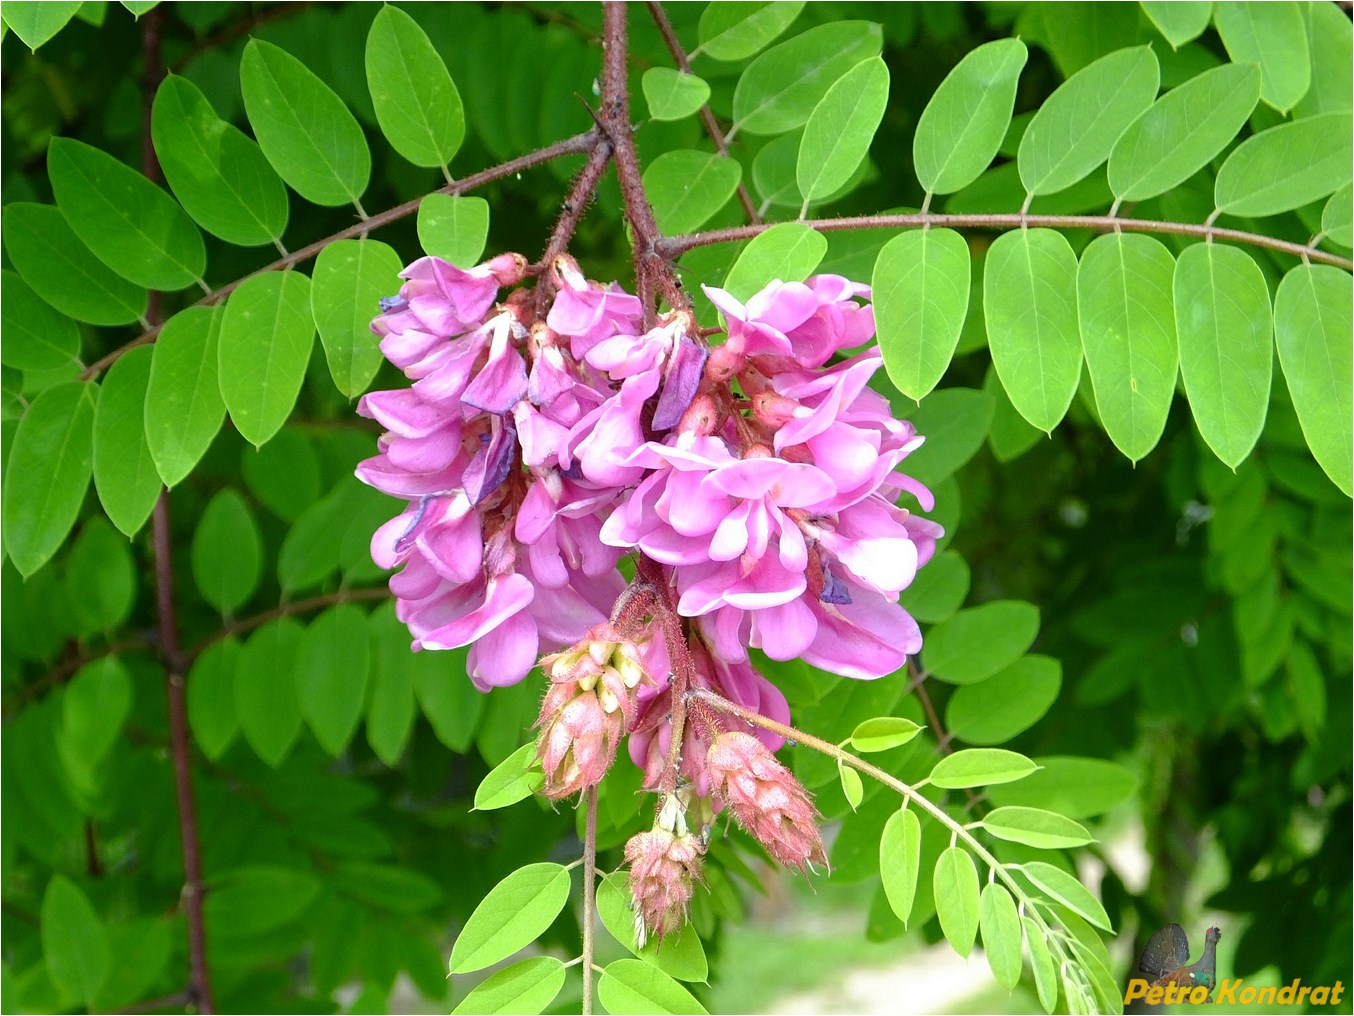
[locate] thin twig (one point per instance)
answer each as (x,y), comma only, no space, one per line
(589,893)
(909,794)
(581,194)
(63,672)
(675,246)
(286,610)
(569,146)
(175,1001)
(944,738)
(199,989)
(707,116)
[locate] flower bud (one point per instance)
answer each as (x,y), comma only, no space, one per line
(665,864)
(766,799)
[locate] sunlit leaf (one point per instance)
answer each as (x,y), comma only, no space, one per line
(416,102)
(512,916)
(1287,166)
(1000,924)
(788,251)
(635,988)
(900,860)
(920,292)
(1035,827)
(737,30)
(350,278)
(184,409)
(1064,888)
(673,95)
(980,767)
(1273,36)
(956,895)
(1180,21)
(687,187)
(840,129)
(978,642)
(528,986)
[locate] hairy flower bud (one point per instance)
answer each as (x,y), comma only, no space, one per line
(589,706)
(766,799)
(665,864)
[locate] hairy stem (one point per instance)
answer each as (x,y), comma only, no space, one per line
(199,983)
(707,116)
(589,893)
(581,193)
(675,246)
(653,270)
(569,146)
(287,610)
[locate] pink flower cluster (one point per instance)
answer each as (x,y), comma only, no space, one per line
(758,479)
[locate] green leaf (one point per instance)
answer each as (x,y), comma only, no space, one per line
(350,278)
(37,337)
(956,894)
(130,224)
(304,129)
(678,955)
(852,787)
(227,552)
(673,95)
(1000,924)
(264,346)
(1307,687)
(62,271)
(124,471)
(390,708)
(1273,36)
(882,733)
(1058,885)
(1180,21)
(416,102)
(1029,301)
(311,550)
(139,7)
(453,228)
(980,767)
(962,125)
(1075,787)
(788,251)
(1182,131)
(1041,961)
(184,409)
(388,887)
(218,173)
(101,578)
(331,675)
(36,21)
(778,90)
(632,987)
(687,187)
(840,129)
(47,473)
(938,590)
(1224,325)
(1312,327)
(1075,129)
(94,707)
(1006,704)
(736,30)
(284,474)
(74,941)
(1035,827)
(514,779)
(1337,218)
(1127,324)
(514,914)
(979,642)
(528,986)
(921,293)
(1330,43)
(954,422)
(900,861)
(1287,166)
(266,699)
(253,900)
(211,697)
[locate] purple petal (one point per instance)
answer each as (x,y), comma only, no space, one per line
(684,370)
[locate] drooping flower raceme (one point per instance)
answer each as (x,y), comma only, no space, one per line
(759,478)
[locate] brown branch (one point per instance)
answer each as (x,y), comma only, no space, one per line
(175,1001)
(569,146)
(943,737)
(653,270)
(286,610)
(581,194)
(64,671)
(199,990)
(675,246)
(707,116)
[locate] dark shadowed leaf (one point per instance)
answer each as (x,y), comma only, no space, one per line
(978,642)
(227,552)
(211,697)
(1075,787)
(1006,704)
(74,941)
(266,699)
(37,337)
(332,666)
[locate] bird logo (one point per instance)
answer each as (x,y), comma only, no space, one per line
(1166,959)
